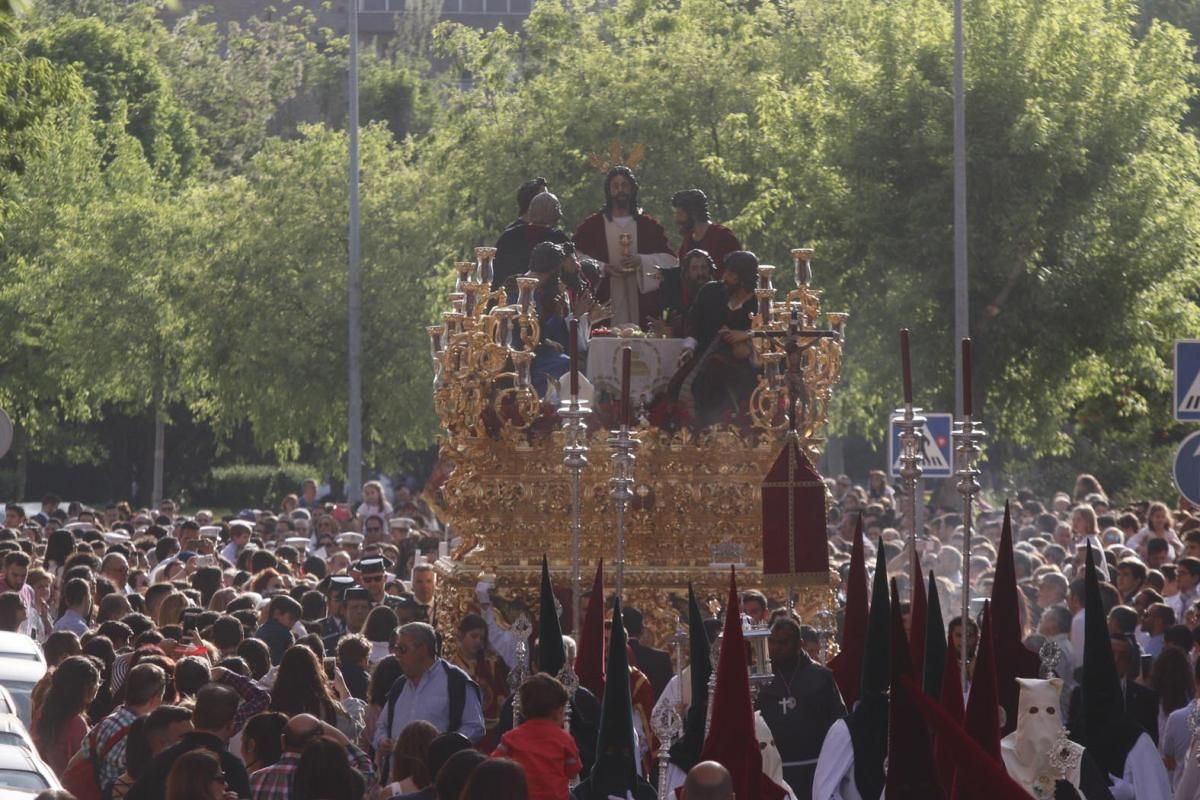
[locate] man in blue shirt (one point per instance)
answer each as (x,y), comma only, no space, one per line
(276,632)
(430,689)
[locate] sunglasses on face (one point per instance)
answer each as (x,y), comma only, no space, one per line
(372,578)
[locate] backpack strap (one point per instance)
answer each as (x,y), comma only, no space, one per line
(457,681)
(393,696)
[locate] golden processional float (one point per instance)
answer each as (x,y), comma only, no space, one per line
(659,502)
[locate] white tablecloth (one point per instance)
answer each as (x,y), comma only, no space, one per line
(653,363)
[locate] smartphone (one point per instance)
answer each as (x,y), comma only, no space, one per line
(206,561)
(330,668)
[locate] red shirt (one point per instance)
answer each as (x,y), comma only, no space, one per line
(548,754)
(58,753)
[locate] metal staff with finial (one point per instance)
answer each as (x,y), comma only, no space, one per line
(968,444)
(624,446)
(912,434)
(574,413)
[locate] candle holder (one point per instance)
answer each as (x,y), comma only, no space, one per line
(764,304)
(765,271)
(527,318)
(624,447)
(802,265)
(968,444)
(520,670)
(464,270)
(436,332)
(911,423)
(484,259)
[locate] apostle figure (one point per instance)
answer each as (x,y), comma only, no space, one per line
(698,229)
(550,358)
(719,336)
(514,245)
(799,705)
(1038,755)
(631,245)
(679,291)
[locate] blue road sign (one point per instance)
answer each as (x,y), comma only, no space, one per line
(938,449)
(1187,381)
(1187,468)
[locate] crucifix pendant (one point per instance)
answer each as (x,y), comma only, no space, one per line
(786,704)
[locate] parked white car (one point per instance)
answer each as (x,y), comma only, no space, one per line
(23,774)
(22,665)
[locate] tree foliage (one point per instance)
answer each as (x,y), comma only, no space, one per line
(205,268)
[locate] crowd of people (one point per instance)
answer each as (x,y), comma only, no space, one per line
(292,653)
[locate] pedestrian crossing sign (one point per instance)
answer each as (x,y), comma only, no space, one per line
(938,450)
(1187,381)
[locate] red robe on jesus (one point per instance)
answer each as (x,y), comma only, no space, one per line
(591,239)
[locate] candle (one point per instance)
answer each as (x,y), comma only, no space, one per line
(906,366)
(626,361)
(966,377)
(573,349)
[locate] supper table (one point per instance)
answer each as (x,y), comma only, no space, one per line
(652,364)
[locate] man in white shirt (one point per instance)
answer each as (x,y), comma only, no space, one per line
(1187,576)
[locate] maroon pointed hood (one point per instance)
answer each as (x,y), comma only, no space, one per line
(982,720)
(1013,659)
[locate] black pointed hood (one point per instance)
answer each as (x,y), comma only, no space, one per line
(868,722)
(685,753)
(935,642)
(552,655)
(1107,733)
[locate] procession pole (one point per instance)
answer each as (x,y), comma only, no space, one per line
(912,435)
(575,447)
(968,441)
(623,445)
(354,278)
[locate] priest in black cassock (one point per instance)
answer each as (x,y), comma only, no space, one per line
(799,705)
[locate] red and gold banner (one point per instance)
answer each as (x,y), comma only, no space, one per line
(794,545)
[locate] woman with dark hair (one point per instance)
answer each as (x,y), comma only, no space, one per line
(101,649)
(197,775)
(59,730)
(1171,677)
(262,740)
(301,687)
(454,774)
(1085,485)
(496,779)
(324,773)
(410,759)
(384,675)
(381,624)
(59,547)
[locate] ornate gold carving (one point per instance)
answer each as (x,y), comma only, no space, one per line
(695,492)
